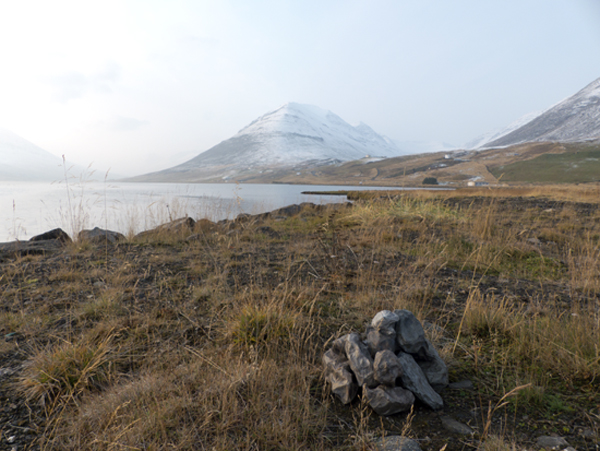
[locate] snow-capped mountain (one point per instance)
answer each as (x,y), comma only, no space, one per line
(23,160)
(290,135)
(493,135)
(576,118)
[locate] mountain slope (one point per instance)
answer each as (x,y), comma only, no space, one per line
(483,140)
(23,160)
(293,134)
(575,119)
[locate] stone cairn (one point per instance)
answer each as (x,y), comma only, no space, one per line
(393,366)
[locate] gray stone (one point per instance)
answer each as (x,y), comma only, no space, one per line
(388,400)
(19,248)
(339,344)
(410,335)
(415,380)
(54,234)
(360,360)
(387,368)
(177,227)
(337,373)
(100,236)
(396,443)
(456,427)
(549,442)
(381,334)
(434,367)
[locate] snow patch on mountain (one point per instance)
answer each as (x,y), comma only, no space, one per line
(574,119)
(481,141)
(296,132)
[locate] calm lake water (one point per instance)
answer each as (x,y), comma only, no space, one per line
(30,208)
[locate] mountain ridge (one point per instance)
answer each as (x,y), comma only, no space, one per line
(293,134)
(574,119)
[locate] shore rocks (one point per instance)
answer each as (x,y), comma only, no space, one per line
(393,367)
(177,227)
(100,236)
(54,234)
(48,242)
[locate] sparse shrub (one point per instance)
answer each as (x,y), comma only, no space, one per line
(258,324)
(68,369)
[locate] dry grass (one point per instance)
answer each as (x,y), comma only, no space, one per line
(211,339)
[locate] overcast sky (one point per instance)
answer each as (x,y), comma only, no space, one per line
(141,85)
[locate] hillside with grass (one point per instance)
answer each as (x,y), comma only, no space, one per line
(211,337)
(578,164)
(546,162)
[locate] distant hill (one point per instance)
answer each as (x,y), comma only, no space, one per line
(293,135)
(21,160)
(575,119)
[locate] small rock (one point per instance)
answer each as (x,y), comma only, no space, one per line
(54,234)
(387,368)
(434,367)
(461,385)
(410,335)
(337,373)
(415,380)
(360,360)
(551,443)
(178,226)
(381,334)
(100,236)
(456,427)
(396,443)
(388,400)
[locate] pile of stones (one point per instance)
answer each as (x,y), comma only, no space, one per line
(394,365)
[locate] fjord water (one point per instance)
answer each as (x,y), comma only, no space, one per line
(30,208)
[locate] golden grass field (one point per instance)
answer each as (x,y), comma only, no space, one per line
(211,339)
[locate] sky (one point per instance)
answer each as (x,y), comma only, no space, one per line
(142,85)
